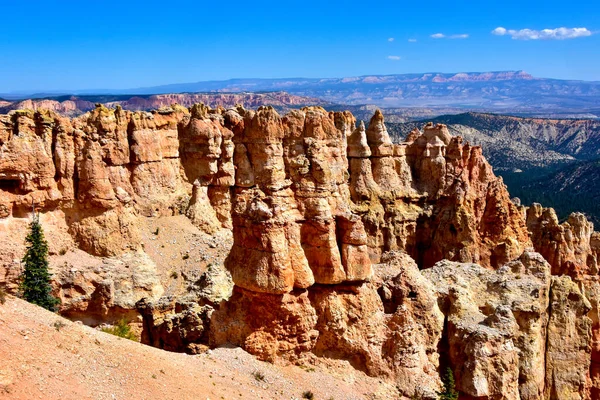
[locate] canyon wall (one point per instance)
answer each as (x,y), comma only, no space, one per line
(402,259)
(433,196)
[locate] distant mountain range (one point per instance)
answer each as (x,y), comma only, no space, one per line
(76,105)
(513,92)
(538,158)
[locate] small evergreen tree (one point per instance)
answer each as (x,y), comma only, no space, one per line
(449,392)
(35,279)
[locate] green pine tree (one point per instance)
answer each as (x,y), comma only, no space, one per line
(449,392)
(35,279)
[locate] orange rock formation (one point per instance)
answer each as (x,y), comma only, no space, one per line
(331,225)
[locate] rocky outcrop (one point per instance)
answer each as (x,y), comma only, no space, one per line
(515,333)
(293,227)
(570,247)
(311,178)
(568,342)
(436,198)
(331,224)
(387,327)
(103,171)
(182,323)
(496,322)
(306,235)
(98,292)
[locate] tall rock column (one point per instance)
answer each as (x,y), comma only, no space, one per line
(292,226)
(568,342)
(205,148)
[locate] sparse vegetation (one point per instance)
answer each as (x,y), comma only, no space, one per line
(58,325)
(174,274)
(259,376)
(308,395)
(121,329)
(35,279)
(449,392)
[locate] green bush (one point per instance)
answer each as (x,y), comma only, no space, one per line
(121,329)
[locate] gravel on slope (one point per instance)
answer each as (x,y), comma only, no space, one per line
(44,356)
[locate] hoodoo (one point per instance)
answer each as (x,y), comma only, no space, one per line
(402,258)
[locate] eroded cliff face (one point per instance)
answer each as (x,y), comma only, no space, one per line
(572,248)
(435,197)
(312,177)
(400,258)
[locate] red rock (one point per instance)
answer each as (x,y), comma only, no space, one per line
(315,204)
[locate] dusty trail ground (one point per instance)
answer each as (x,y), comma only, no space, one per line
(44,356)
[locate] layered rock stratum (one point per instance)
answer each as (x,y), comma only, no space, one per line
(306,237)
(499,91)
(77,105)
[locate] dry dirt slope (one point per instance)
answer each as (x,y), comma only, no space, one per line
(43,356)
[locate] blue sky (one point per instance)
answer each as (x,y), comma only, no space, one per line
(54,45)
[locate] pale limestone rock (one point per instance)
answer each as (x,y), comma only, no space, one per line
(357,142)
(378,136)
(200,211)
(313,202)
(96,291)
(568,342)
(496,325)
(566,246)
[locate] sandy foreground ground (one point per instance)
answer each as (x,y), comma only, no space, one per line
(44,356)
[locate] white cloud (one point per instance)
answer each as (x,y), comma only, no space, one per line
(456,36)
(412,40)
(394,58)
(544,34)
(390,39)
(500,31)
